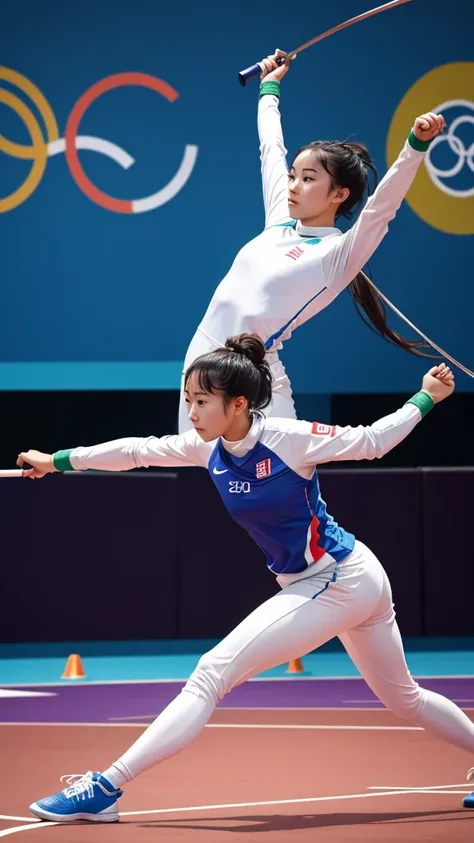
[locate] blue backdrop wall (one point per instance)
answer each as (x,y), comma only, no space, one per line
(97,293)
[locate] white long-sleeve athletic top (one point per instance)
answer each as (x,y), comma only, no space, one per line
(268,480)
(290,271)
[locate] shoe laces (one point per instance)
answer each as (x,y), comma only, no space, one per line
(79,783)
(470,775)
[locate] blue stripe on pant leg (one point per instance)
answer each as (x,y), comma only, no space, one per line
(333,579)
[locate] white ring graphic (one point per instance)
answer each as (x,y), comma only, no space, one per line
(111,150)
(173,187)
(120,156)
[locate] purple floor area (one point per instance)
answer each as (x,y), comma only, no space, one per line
(104,703)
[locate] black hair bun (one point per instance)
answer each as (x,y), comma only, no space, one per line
(249,345)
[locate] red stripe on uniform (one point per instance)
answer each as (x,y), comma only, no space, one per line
(316,551)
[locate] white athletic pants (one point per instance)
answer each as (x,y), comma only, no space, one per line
(353,601)
(282,405)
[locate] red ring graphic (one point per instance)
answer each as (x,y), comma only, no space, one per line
(117,80)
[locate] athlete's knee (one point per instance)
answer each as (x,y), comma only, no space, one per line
(208,679)
(405,701)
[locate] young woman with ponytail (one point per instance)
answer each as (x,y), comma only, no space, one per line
(301,261)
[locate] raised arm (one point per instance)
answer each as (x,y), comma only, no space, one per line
(346,255)
(319,444)
(122,455)
(272,147)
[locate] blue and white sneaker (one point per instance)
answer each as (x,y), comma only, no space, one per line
(468,801)
(89,797)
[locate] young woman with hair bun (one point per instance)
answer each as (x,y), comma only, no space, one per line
(331,583)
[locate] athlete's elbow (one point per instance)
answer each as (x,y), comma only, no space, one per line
(381,449)
(377,218)
(139,454)
(374,449)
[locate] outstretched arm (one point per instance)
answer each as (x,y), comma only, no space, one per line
(122,455)
(272,147)
(347,255)
(319,444)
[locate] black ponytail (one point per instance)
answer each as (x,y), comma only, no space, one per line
(371,309)
(238,369)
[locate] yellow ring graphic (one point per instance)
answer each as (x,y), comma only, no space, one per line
(18,150)
(39,152)
(454,215)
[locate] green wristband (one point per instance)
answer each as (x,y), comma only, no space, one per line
(61,460)
(269,88)
(423,401)
(419,145)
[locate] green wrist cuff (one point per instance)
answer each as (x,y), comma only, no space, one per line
(423,401)
(61,460)
(420,146)
(269,88)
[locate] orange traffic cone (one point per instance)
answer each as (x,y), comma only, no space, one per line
(74,668)
(295,666)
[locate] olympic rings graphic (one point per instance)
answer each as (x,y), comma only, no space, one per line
(41,148)
(433,196)
(464,156)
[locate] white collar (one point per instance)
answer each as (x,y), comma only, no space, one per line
(315,231)
(243,446)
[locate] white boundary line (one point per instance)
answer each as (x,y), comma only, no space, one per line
(68,725)
(18,828)
(318,727)
(68,683)
(256,708)
(373,703)
(431,787)
(232,805)
(272,802)
(301,676)
(23,819)
(291,678)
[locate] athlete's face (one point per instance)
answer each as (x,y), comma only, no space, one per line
(311,195)
(211,416)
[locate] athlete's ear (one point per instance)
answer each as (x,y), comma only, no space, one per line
(240,405)
(340,195)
